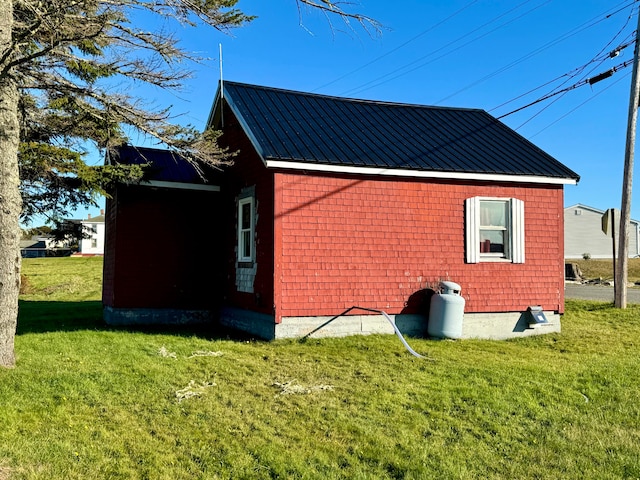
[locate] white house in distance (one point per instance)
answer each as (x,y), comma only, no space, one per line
(583,233)
(93,229)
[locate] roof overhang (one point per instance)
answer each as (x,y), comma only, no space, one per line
(216,118)
(180,185)
(396,172)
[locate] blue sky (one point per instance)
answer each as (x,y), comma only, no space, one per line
(466,53)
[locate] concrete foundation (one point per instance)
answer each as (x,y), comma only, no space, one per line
(258,324)
(155,316)
(491,326)
(494,326)
(502,326)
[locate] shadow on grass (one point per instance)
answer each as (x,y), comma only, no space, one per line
(43,317)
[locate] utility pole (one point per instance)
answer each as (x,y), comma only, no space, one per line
(625,208)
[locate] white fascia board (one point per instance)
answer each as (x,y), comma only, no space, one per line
(395,172)
(181,185)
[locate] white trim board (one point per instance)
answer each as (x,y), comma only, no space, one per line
(396,172)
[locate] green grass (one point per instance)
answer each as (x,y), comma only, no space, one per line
(86,401)
(62,279)
(597,268)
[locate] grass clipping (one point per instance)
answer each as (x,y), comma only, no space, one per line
(193,390)
(163,352)
(292,388)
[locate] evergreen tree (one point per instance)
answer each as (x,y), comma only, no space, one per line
(61,63)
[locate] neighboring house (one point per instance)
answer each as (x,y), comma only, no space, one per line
(43,246)
(583,234)
(332,203)
(35,247)
(92,242)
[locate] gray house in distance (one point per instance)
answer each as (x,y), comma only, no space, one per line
(583,233)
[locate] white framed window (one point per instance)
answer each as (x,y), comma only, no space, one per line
(246,222)
(494,230)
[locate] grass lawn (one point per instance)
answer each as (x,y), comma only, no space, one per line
(86,401)
(600,268)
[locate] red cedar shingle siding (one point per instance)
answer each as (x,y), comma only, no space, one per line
(167,249)
(326,243)
(108,277)
(374,243)
(247,171)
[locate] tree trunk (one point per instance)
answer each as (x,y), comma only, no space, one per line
(10,200)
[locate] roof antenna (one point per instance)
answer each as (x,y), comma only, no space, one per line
(221,91)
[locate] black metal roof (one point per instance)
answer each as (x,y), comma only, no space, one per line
(163,165)
(320,130)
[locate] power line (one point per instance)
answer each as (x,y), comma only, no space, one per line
(368,85)
(587,81)
(570,74)
(580,105)
(421,34)
(585,26)
(600,59)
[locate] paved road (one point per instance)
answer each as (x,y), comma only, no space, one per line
(598,292)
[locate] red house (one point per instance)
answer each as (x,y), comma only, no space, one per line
(335,202)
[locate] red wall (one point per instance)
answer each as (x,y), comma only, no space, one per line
(247,170)
(325,243)
(376,242)
(162,249)
(109,266)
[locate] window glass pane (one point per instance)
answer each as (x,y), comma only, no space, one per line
(493,213)
(246,220)
(492,241)
(246,244)
(246,216)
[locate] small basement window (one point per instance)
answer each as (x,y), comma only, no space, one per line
(494,230)
(246,221)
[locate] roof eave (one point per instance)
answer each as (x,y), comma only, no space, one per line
(396,172)
(223,96)
(214,109)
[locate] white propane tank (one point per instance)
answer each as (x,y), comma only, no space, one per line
(446,312)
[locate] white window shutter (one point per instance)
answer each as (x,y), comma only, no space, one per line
(517,230)
(472,229)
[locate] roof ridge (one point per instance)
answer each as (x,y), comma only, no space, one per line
(350,99)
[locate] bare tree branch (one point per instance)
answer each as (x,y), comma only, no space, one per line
(337,9)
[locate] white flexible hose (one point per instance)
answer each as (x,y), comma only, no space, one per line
(404,342)
(395,328)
